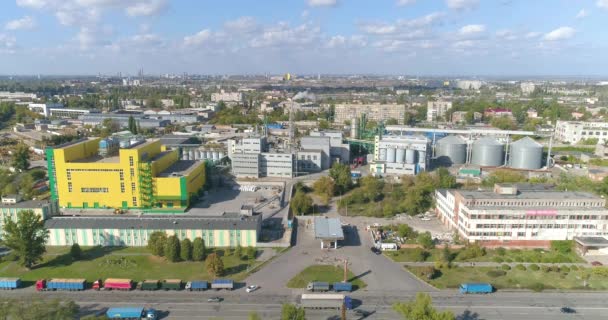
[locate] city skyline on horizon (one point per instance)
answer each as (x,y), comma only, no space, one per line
(465,38)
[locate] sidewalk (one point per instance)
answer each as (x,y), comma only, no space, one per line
(493,264)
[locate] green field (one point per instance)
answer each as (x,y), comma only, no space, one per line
(514,279)
(114,262)
(324,273)
(492,255)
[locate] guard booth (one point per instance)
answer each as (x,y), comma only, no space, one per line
(329,231)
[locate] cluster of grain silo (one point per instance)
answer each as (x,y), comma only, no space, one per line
(526,154)
(451,150)
(488,152)
(400,155)
(202,154)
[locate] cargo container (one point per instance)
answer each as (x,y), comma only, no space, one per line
(149,285)
(326,301)
(9,283)
(171,284)
(317,286)
(197,285)
(118,284)
(222,284)
(476,288)
(343,286)
(61,284)
(131,313)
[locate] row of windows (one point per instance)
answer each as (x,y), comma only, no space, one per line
(94,190)
(535,217)
(597,133)
(535,226)
(535,203)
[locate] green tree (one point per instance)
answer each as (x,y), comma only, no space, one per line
(185,250)
(504,123)
(132,125)
(391,122)
(426,240)
(446,180)
(251,253)
(301,203)
(238,251)
(75,251)
(30,308)
(215,265)
(156,243)
(26,237)
(421,309)
(198,249)
(172,249)
(21,157)
(254,316)
(292,312)
(325,188)
(341,175)
(371,187)
(323,124)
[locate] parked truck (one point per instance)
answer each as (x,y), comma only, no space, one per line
(118,284)
(476,288)
(61,285)
(326,301)
(222,284)
(149,285)
(317,286)
(343,286)
(131,313)
(171,284)
(197,285)
(9,283)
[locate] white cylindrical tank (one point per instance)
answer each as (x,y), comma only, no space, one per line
(221,155)
(400,155)
(216,155)
(382,154)
(207,154)
(421,157)
(354,128)
(410,156)
(191,153)
(186,155)
(390,155)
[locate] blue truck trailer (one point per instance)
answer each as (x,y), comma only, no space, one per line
(476,288)
(343,286)
(197,285)
(131,313)
(10,283)
(61,284)
(218,284)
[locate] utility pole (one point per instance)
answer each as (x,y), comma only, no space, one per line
(345,270)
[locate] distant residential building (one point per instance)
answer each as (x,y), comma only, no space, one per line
(577,115)
(437,109)
(227,97)
(532,113)
(592,100)
(19,95)
(497,112)
(69,113)
(402,91)
(574,131)
(376,112)
(460,116)
(527,87)
(469,84)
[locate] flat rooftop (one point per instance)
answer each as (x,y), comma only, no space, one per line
(328,229)
(528,194)
(26,204)
(180,168)
(98,159)
(592,241)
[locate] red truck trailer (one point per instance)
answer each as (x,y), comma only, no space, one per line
(114,284)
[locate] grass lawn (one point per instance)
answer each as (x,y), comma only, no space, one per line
(114,262)
(520,279)
(512,255)
(323,273)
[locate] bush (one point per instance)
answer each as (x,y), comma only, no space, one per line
(519,259)
(471,252)
(508,260)
(496,273)
(426,240)
(564,269)
(573,268)
(419,255)
(185,250)
(562,246)
(429,272)
(537,287)
(505,267)
(198,249)
(501,251)
(498,259)
(75,251)
(172,250)
(545,269)
(156,243)
(520,267)
(534,267)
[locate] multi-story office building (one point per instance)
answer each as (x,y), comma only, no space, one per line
(227,97)
(318,143)
(399,155)
(339,151)
(516,214)
(436,110)
(575,131)
(257,165)
(309,160)
(375,112)
(527,87)
(44,209)
(227,230)
(246,165)
(92,173)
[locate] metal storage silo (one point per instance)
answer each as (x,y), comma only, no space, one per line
(421,157)
(526,154)
(207,154)
(400,156)
(451,150)
(390,155)
(382,154)
(410,156)
(487,152)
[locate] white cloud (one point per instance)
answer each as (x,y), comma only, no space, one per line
(34,4)
(378,28)
(471,29)
(7,42)
(322,3)
(242,24)
(342,41)
(402,26)
(506,34)
(24,23)
(147,8)
(602,4)
(402,3)
(198,38)
(561,33)
(582,14)
(532,35)
(462,4)
(423,21)
(282,34)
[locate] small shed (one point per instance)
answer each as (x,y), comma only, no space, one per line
(591,245)
(329,231)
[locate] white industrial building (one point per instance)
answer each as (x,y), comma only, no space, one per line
(400,155)
(437,109)
(527,87)
(376,112)
(44,108)
(339,151)
(521,214)
(575,131)
(250,159)
(227,97)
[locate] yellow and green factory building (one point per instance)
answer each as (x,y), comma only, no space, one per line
(97,173)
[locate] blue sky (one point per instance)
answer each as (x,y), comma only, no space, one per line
(413,37)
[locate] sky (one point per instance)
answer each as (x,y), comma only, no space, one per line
(397,37)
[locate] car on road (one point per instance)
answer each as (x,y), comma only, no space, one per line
(567,310)
(360,313)
(376,250)
(252,288)
(596,263)
(425,219)
(215,299)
